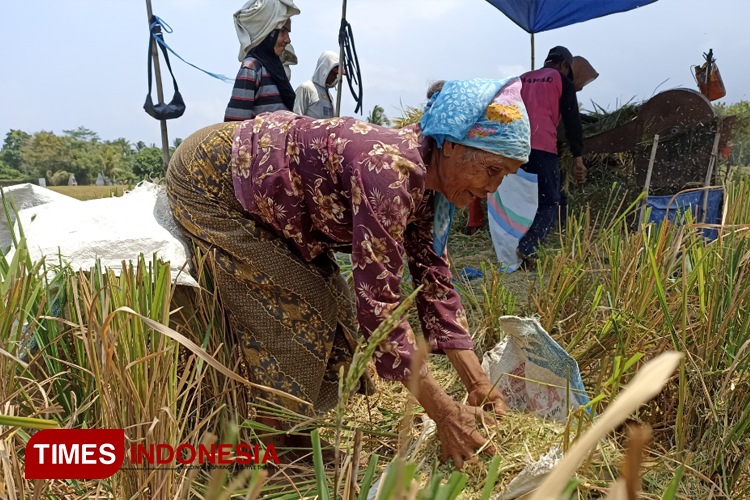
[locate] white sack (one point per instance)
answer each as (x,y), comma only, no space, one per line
(25,196)
(110,229)
(532,476)
(530,354)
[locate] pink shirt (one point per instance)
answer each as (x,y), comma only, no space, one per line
(541,93)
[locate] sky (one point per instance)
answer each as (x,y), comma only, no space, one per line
(70,63)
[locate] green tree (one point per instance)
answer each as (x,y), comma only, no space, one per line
(126,154)
(45,152)
(82,134)
(12,152)
(87,154)
(377,117)
(124,144)
(114,162)
(148,162)
(740,130)
(79,152)
(10,174)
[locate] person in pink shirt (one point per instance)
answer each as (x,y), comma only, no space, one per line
(549,95)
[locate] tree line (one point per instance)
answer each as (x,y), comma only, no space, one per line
(29,157)
(740,130)
(80,152)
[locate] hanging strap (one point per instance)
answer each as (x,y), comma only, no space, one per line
(351,63)
(156,23)
(157,34)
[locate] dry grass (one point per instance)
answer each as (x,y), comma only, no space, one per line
(613,298)
(538,437)
(84,193)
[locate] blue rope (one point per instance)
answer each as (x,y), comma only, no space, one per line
(168,29)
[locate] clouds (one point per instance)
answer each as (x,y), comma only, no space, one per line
(390,78)
(506,71)
(397,18)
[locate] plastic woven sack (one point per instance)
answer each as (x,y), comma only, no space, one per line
(533,370)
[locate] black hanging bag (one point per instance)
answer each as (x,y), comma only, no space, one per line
(176,106)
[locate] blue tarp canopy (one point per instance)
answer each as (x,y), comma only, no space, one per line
(535,16)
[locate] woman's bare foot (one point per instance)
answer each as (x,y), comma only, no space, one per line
(296,448)
(277,440)
(301,446)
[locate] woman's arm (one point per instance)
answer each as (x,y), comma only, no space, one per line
(481,391)
(441,314)
(377,263)
(443,319)
(456,423)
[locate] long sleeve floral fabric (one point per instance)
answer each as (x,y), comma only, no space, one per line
(344,185)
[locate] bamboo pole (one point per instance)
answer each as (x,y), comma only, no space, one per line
(710,170)
(532,52)
(710,67)
(644,203)
(159,92)
(340,84)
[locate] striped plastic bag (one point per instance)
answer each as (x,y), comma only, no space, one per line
(511,211)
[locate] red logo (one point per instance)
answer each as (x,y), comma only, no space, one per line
(74,453)
(99,453)
(186,454)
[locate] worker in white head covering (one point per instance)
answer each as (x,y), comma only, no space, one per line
(312,97)
(257,18)
(262,85)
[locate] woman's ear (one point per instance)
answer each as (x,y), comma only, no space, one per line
(448,149)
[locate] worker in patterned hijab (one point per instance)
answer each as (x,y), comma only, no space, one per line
(485,115)
(272,198)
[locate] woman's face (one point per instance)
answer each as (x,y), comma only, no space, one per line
(283,39)
(466,173)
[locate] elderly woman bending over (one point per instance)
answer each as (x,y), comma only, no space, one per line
(274,197)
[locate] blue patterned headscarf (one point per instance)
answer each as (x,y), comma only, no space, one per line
(482,114)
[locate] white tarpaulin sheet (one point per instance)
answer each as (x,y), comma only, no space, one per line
(25,196)
(110,229)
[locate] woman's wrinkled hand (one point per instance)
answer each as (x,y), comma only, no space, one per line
(481,391)
(457,430)
(488,398)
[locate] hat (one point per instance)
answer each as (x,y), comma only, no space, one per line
(258,18)
(559,53)
(585,73)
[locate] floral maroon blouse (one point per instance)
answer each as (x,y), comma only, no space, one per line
(346,185)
